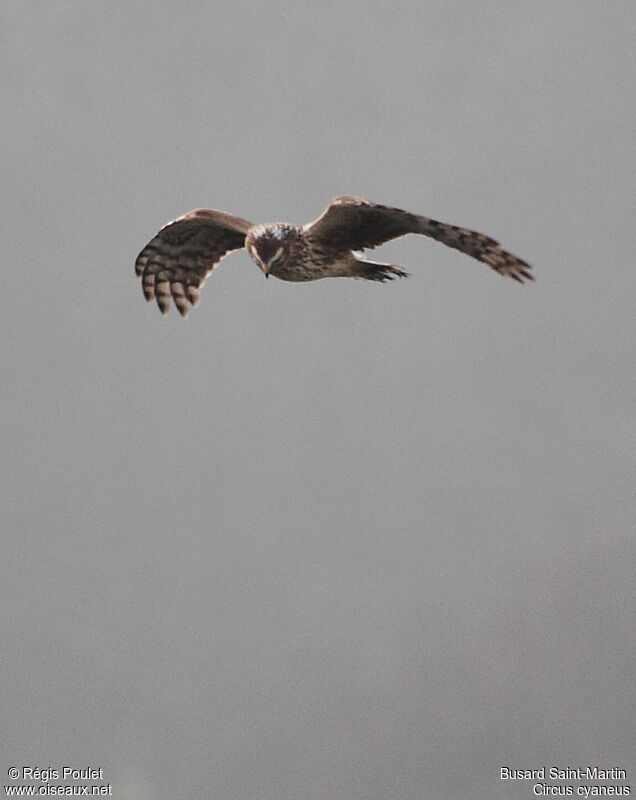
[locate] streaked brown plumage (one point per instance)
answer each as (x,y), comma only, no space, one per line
(177,261)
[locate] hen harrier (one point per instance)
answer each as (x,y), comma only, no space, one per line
(176,262)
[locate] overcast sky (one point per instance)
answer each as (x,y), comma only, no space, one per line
(337,539)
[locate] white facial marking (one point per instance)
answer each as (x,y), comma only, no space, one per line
(276,255)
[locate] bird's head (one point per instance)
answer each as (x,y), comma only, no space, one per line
(268,245)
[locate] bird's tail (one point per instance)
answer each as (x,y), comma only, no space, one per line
(375,271)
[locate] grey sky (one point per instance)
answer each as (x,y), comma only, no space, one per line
(333,540)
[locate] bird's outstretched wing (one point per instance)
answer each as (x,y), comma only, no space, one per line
(176,262)
(351,223)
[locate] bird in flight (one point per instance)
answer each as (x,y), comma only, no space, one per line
(176,262)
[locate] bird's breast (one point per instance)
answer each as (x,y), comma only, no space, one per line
(295,270)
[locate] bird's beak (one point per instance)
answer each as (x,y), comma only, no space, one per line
(265,269)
